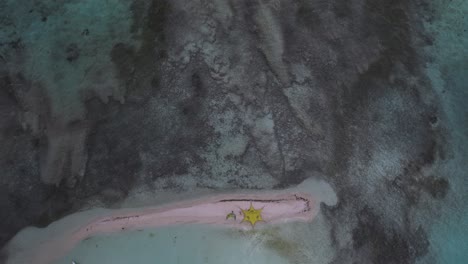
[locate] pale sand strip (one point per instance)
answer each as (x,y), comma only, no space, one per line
(277,208)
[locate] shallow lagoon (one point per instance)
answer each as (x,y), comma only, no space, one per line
(182,244)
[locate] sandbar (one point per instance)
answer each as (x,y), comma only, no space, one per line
(59,238)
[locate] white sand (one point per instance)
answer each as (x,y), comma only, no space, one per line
(47,245)
(211,210)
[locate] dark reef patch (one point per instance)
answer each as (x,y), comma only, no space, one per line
(113,149)
(72,52)
(390,22)
(123,57)
(56,204)
(21,192)
(437,187)
(193,106)
(138,68)
(342,9)
(3,256)
(307,14)
(387,246)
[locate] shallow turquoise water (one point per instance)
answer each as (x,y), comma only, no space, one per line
(449,236)
(453,242)
(180,244)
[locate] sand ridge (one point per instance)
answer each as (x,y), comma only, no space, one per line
(212,210)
